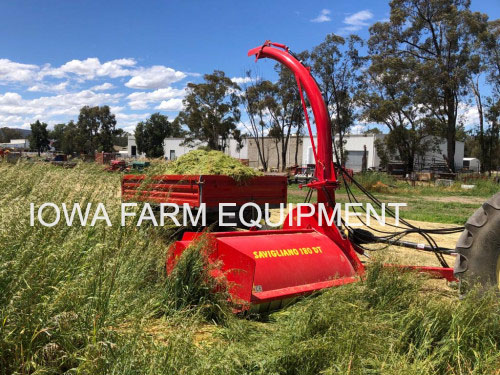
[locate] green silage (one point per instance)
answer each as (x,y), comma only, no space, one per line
(210,163)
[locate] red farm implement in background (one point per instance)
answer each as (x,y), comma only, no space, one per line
(267,268)
(117,166)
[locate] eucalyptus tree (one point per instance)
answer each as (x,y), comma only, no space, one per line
(256,98)
(387,95)
(336,63)
(211,111)
(150,134)
(435,36)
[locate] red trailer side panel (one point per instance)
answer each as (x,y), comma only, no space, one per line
(208,189)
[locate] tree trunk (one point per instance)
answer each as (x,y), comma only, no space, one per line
(450,129)
(263,159)
(342,160)
(283,159)
(284,150)
(481,137)
(297,149)
(260,152)
(277,156)
(410,162)
(479,104)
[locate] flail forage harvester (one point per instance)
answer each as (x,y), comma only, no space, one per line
(267,268)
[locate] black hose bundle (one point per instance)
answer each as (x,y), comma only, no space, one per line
(394,235)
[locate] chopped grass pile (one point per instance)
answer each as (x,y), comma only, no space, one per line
(211,163)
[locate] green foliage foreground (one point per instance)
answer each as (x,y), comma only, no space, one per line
(95,300)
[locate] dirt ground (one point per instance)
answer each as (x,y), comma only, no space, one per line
(451,198)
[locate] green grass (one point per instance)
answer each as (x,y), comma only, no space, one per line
(95,300)
(450,205)
(416,209)
(484,187)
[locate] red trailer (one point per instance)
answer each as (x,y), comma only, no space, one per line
(209,189)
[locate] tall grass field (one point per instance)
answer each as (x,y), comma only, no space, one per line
(96,300)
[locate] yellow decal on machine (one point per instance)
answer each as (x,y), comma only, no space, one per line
(278,253)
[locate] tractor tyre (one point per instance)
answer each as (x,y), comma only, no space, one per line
(478,248)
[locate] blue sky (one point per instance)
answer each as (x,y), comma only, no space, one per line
(137,56)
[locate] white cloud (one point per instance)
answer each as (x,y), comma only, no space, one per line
(357,129)
(41,87)
(468,114)
(356,21)
(171,105)
(154,77)
(64,89)
(141,100)
(324,16)
(131,116)
(11,71)
(116,108)
(359,18)
(130,127)
(90,68)
(103,87)
(128,121)
(241,80)
(46,107)
(6,120)
(10,98)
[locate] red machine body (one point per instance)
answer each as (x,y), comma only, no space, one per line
(265,269)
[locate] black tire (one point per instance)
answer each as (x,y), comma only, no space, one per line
(478,248)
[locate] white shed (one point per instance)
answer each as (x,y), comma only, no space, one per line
(355,144)
(21,144)
(132,147)
(173,148)
(472,164)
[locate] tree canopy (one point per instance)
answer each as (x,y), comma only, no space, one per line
(150,134)
(423,68)
(434,38)
(211,111)
(96,129)
(337,62)
(6,134)
(39,138)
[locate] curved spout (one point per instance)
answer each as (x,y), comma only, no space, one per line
(280,53)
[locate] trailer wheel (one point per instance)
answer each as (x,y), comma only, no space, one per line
(478,248)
